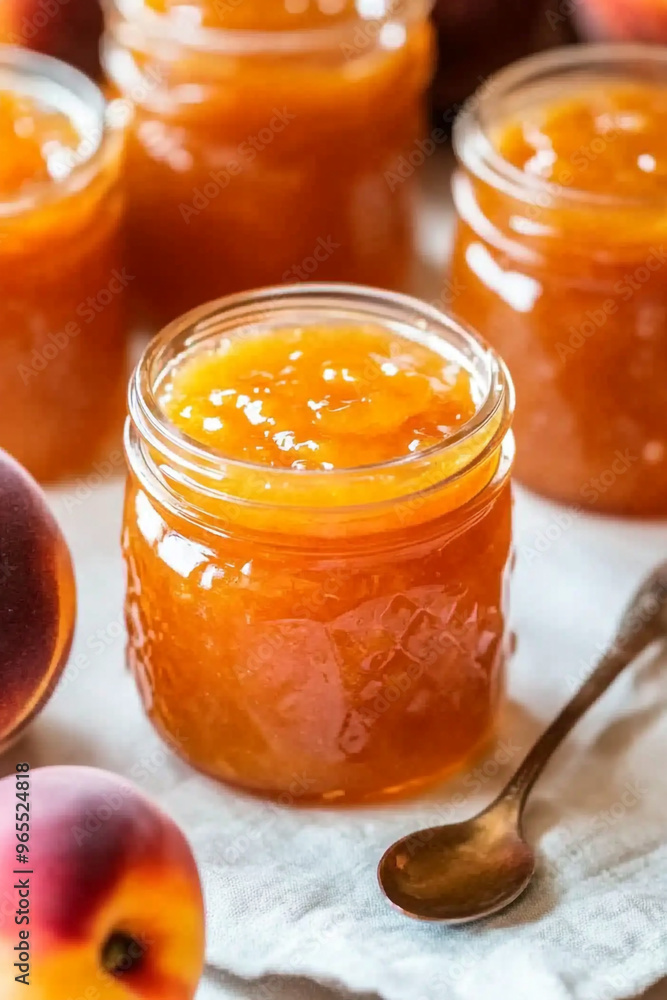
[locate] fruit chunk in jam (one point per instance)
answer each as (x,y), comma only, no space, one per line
(311,653)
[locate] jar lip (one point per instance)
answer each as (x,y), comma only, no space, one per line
(66,81)
(248,41)
(476,152)
(199,325)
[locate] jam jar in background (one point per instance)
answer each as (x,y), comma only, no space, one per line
(63,281)
(560,261)
(262,142)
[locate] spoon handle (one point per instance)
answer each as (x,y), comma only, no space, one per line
(644,622)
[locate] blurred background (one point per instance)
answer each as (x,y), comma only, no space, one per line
(475,37)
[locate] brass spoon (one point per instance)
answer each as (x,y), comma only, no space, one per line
(466,871)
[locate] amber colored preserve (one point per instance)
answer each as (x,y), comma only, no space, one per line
(62,283)
(270,143)
(317,538)
(561,262)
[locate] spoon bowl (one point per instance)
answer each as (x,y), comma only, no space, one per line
(459,872)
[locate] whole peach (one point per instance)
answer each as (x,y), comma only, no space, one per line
(108,905)
(67,29)
(37,599)
(625,20)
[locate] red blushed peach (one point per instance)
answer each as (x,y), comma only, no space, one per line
(625,20)
(66,29)
(111,892)
(37,600)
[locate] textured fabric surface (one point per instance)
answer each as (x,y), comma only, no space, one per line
(292,899)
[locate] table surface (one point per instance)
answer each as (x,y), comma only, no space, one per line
(67,731)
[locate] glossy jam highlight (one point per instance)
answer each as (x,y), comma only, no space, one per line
(608,141)
(329,397)
(264,157)
(311,653)
(62,327)
(561,265)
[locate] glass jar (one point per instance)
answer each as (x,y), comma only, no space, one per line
(64,367)
(622,20)
(295,643)
(265,156)
(565,276)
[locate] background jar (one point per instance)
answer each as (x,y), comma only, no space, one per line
(259,157)
(570,287)
(359,650)
(62,288)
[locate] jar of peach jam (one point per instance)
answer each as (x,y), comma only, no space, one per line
(560,260)
(63,283)
(317,537)
(270,142)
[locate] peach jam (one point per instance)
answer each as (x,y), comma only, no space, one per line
(266,142)
(317,537)
(560,260)
(62,281)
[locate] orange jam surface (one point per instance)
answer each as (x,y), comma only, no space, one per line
(319,397)
(607,140)
(309,659)
(570,286)
(277,158)
(61,331)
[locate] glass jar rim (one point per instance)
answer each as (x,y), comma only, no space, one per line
(36,66)
(395,310)
(477,153)
(144,22)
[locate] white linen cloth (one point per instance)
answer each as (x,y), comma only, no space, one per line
(292,893)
